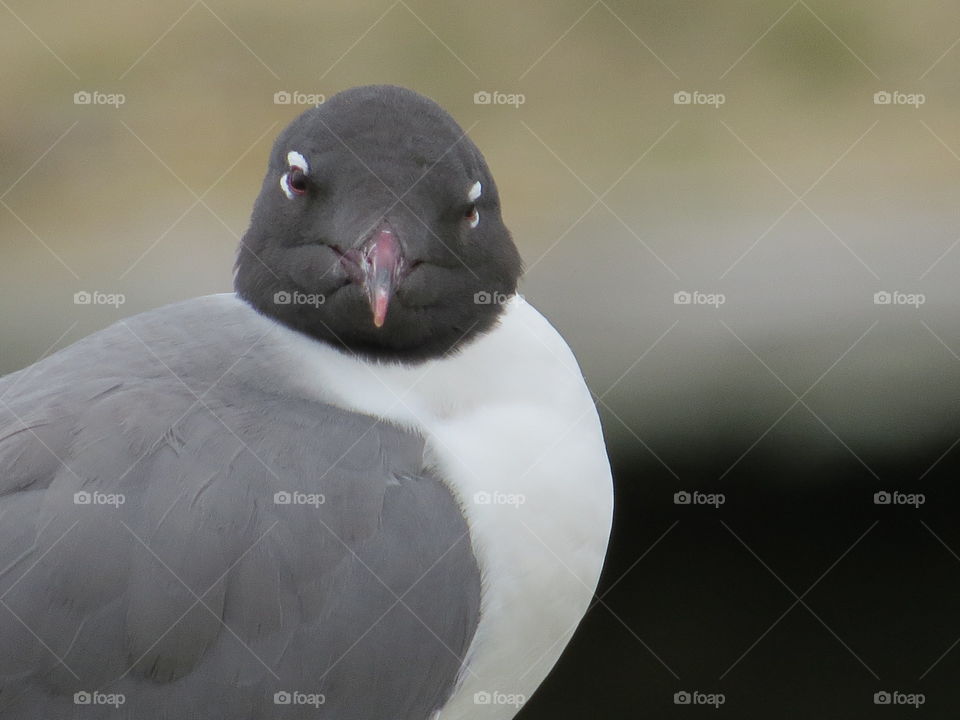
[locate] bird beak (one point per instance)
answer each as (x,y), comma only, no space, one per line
(382,262)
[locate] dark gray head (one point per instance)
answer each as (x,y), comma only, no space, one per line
(378,229)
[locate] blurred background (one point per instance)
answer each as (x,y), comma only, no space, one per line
(743,216)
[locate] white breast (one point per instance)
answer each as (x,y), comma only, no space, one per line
(511,427)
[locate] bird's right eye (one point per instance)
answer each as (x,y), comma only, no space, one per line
(297,181)
(472,215)
(294,181)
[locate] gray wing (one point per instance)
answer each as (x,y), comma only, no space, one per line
(179,579)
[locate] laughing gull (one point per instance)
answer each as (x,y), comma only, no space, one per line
(369,484)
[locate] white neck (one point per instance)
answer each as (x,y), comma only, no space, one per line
(522,358)
(511,428)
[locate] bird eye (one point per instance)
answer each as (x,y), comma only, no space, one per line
(296,181)
(472,215)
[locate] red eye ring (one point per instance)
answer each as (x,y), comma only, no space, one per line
(297,180)
(472,215)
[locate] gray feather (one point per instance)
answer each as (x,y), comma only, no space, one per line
(199,596)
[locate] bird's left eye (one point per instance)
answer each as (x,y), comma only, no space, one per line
(296,181)
(472,215)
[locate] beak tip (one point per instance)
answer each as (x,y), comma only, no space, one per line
(380,304)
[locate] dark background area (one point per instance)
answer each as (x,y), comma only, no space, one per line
(698,598)
(798,199)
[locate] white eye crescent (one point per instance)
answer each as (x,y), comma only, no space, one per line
(285,187)
(474,192)
(295,159)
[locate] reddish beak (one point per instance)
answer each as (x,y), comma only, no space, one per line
(382,261)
